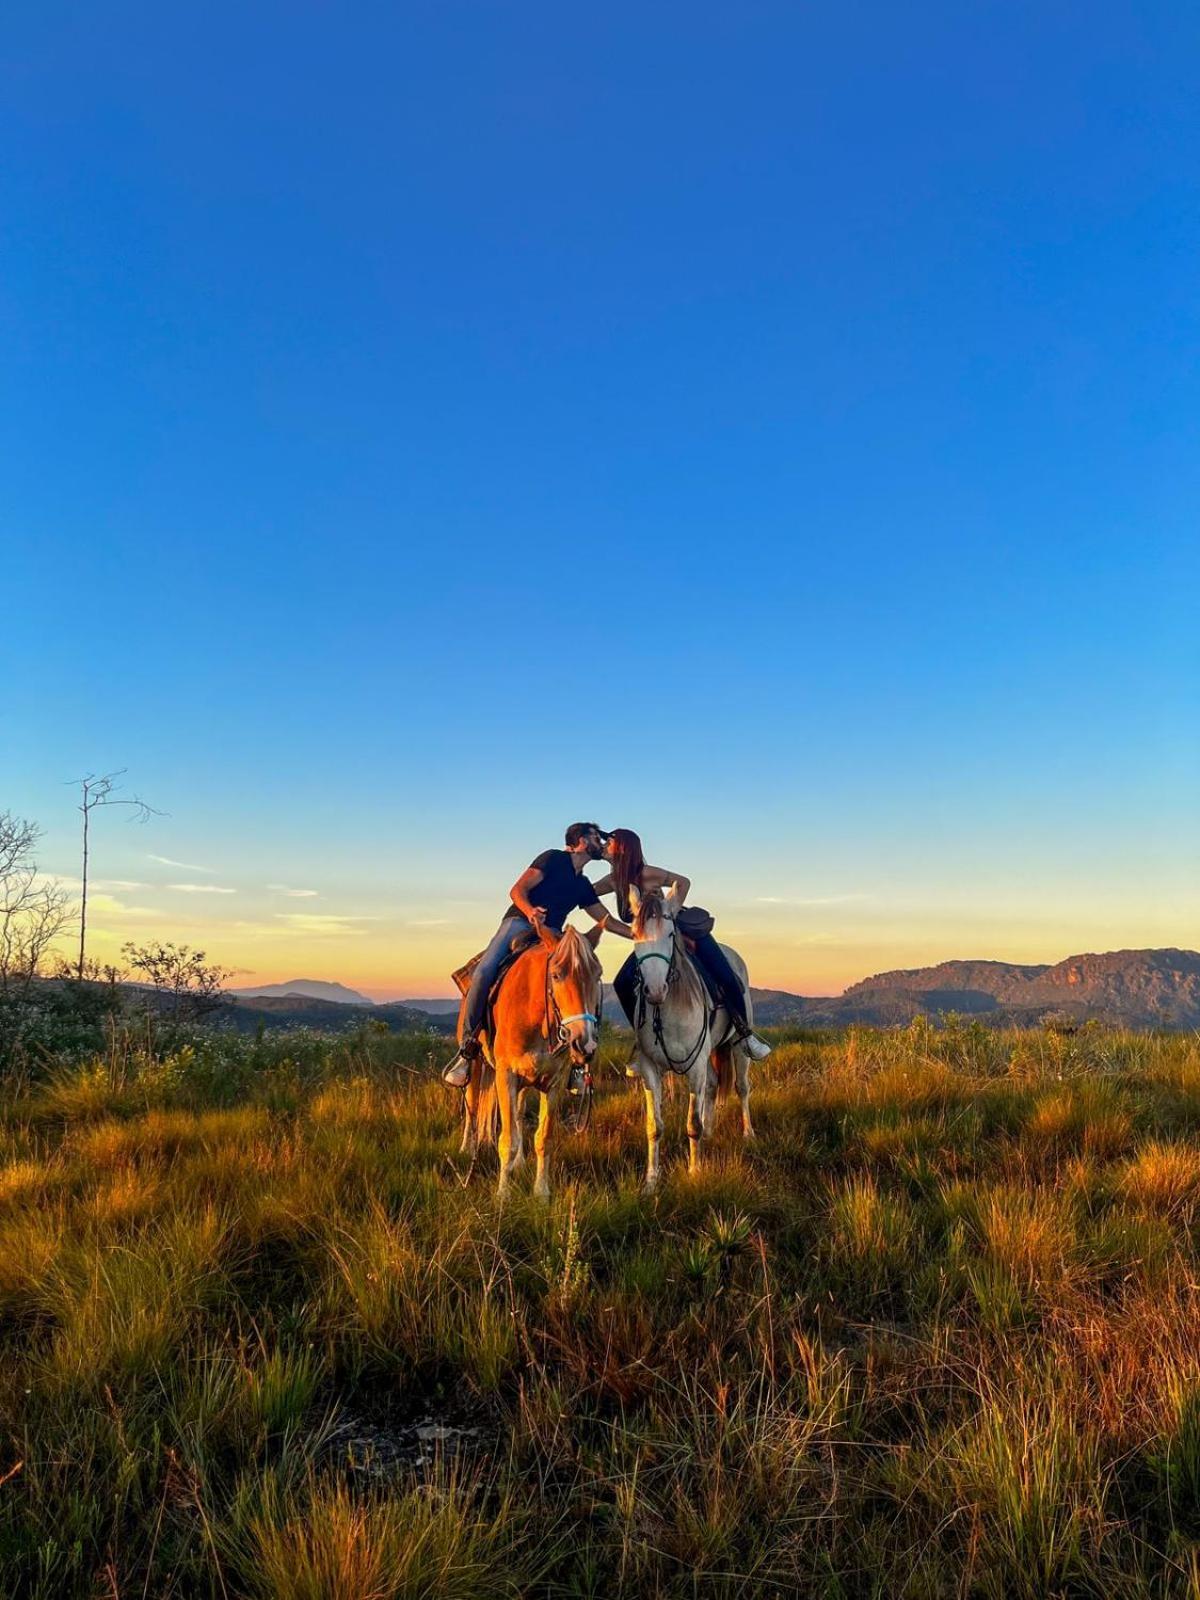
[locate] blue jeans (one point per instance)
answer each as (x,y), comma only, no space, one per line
(485,973)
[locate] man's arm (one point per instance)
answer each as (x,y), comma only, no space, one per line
(519,894)
(608,922)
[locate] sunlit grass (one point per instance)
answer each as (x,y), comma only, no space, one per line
(936,1333)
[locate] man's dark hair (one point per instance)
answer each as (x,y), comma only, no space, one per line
(578,831)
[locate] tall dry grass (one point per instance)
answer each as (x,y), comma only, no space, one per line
(936,1334)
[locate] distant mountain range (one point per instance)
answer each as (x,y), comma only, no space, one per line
(1135,988)
(311,988)
(249,1012)
(1131,988)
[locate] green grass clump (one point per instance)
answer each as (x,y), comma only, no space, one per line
(936,1333)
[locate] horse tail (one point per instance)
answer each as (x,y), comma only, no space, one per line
(722,1060)
(487,1110)
(482,1109)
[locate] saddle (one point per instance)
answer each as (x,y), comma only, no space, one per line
(462,978)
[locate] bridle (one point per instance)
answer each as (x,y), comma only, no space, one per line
(556,1024)
(683,1064)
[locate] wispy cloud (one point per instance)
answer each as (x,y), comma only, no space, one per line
(59,880)
(310,922)
(199,888)
(294,894)
(188,866)
(429,922)
(107,905)
(813,900)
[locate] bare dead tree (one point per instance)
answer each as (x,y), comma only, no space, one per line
(97,791)
(33,912)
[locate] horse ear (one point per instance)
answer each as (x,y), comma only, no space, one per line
(635,899)
(673,896)
(592,936)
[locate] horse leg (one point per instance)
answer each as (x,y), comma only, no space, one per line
(506,1093)
(541,1141)
(471,1098)
(652,1084)
(695,1129)
(701,1101)
(741,1069)
(518,1135)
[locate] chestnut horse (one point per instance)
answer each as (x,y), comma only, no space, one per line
(547,1019)
(678,1031)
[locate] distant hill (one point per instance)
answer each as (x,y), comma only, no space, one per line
(1129,988)
(248,1013)
(1132,988)
(312,988)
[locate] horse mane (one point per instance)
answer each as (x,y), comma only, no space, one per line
(651,909)
(574,956)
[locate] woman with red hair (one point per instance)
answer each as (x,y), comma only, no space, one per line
(632,876)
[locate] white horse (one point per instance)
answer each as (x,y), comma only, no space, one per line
(677,1030)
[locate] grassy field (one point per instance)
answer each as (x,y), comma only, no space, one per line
(937,1333)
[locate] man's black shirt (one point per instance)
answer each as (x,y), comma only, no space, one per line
(561,888)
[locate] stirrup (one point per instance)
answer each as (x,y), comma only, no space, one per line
(457,1073)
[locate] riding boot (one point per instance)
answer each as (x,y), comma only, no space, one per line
(458,1073)
(757,1049)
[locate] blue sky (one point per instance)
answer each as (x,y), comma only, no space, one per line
(772,429)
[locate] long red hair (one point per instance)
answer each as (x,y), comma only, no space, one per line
(628,863)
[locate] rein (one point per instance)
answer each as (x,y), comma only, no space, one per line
(682,1064)
(555,1023)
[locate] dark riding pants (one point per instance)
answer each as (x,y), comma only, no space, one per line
(715,962)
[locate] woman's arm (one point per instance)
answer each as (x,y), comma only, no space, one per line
(606,884)
(609,922)
(659,878)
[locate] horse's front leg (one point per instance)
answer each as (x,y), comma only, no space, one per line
(541,1140)
(518,1155)
(506,1092)
(652,1084)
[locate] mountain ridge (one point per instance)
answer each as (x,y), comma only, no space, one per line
(309,988)
(1157,988)
(1136,988)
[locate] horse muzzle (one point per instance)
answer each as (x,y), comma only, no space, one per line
(581,1046)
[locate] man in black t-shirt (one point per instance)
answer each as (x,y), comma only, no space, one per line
(551,886)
